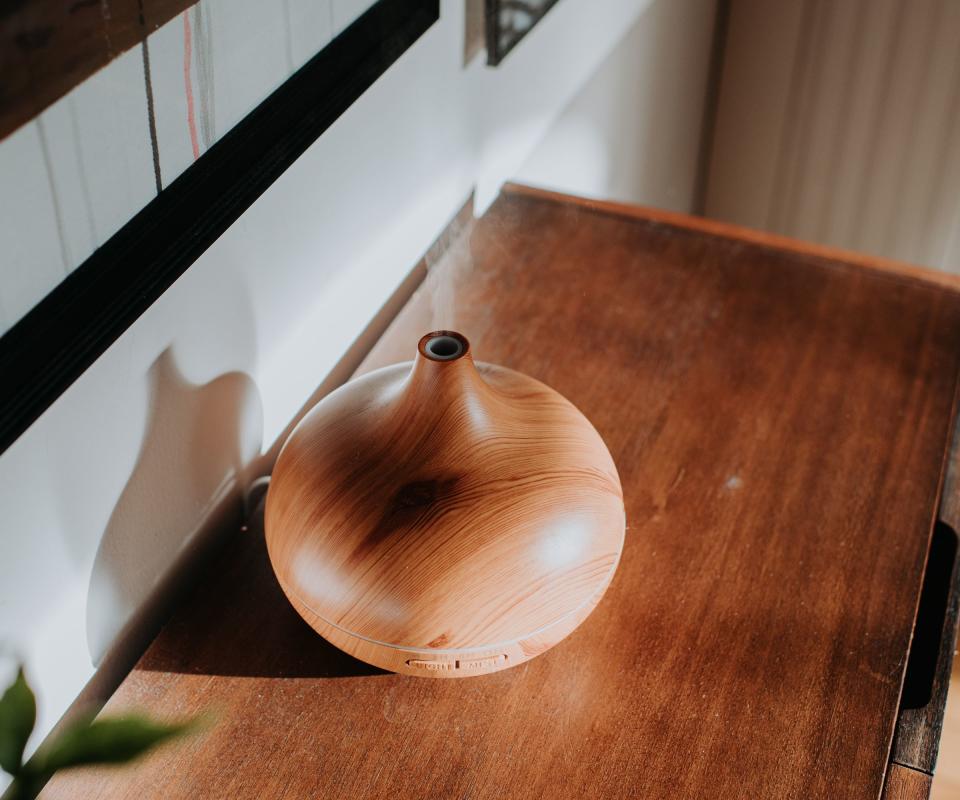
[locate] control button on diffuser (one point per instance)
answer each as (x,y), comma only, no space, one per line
(432,666)
(481,664)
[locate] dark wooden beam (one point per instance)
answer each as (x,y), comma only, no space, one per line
(47,47)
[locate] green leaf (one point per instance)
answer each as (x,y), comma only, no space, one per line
(106,741)
(18,714)
(23,788)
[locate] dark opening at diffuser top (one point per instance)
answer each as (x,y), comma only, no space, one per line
(443,345)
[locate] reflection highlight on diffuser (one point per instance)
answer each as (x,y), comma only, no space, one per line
(566,544)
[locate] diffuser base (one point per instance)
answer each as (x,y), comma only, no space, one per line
(460,663)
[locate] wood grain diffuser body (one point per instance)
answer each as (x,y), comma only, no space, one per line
(445,519)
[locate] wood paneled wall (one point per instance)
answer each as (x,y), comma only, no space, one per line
(839,122)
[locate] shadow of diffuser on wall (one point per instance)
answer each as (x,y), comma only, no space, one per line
(186,485)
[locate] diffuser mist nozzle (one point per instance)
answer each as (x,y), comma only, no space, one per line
(444,346)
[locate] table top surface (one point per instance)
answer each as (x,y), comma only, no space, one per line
(779,420)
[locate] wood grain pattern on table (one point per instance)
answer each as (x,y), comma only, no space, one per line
(444,518)
(779,422)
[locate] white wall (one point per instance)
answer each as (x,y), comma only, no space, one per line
(101,494)
(635,127)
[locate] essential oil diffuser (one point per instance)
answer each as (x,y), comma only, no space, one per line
(444,519)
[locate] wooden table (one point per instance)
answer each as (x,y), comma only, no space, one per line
(779,418)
